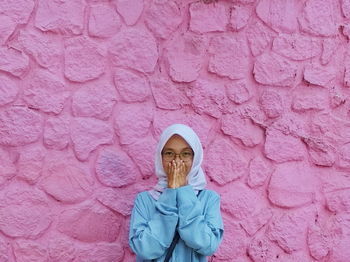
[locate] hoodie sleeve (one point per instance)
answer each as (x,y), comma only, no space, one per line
(151,235)
(202,232)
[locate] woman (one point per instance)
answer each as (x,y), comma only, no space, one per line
(178,204)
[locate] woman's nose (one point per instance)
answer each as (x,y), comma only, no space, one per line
(177,159)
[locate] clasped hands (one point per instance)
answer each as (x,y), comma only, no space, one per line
(177,174)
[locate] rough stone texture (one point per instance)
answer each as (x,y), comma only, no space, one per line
(208,97)
(289,229)
(314,12)
(208,18)
(319,75)
(255,222)
(45,48)
(87,134)
(94,100)
(254,113)
(295,256)
(136,49)
(260,250)
(13,61)
(142,153)
(282,148)
(247,1)
(331,133)
(309,99)
(240,15)
(238,91)
(130,10)
(8,90)
(271,69)
(344,156)
(18,10)
(337,97)
(297,47)
(19,126)
(227,164)
(56,133)
(259,171)
(234,243)
(163,18)
(103,21)
(66,181)
(102,252)
(347,76)
(110,197)
(280,16)
(130,131)
(84,60)
(7,168)
(167,95)
(7,26)
(345,7)
(290,125)
(78,223)
(321,151)
(328,49)
(338,201)
(184,58)
(24,212)
(132,86)
(45,92)
(4,250)
(330,185)
(30,164)
(317,242)
(271,103)
(61,248)
(228,56)
(242,129)
(66,17)
(240,201)
(201,124)
(259,38)
(26,250)
(339,228)
(289,179)
(87,86)
(115,169)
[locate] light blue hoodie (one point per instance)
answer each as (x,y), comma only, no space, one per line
(153,223)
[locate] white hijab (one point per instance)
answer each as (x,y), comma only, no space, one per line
(196,176)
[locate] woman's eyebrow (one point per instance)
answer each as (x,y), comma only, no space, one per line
(169,148)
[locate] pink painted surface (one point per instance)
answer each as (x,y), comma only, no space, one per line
(87,86)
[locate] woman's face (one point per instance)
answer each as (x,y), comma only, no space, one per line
(176,144)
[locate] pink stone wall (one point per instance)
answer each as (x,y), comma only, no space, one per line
(86,87)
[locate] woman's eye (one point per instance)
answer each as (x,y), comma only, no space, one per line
(168,153)
(186,154)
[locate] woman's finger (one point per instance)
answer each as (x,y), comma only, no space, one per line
(171,169)
(183,168)
(180,169)
(168,169)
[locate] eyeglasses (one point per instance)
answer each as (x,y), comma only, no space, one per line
(170,155)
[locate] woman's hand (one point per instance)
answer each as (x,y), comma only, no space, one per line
(177,175)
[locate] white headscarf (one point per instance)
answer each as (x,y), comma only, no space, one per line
(196,176)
